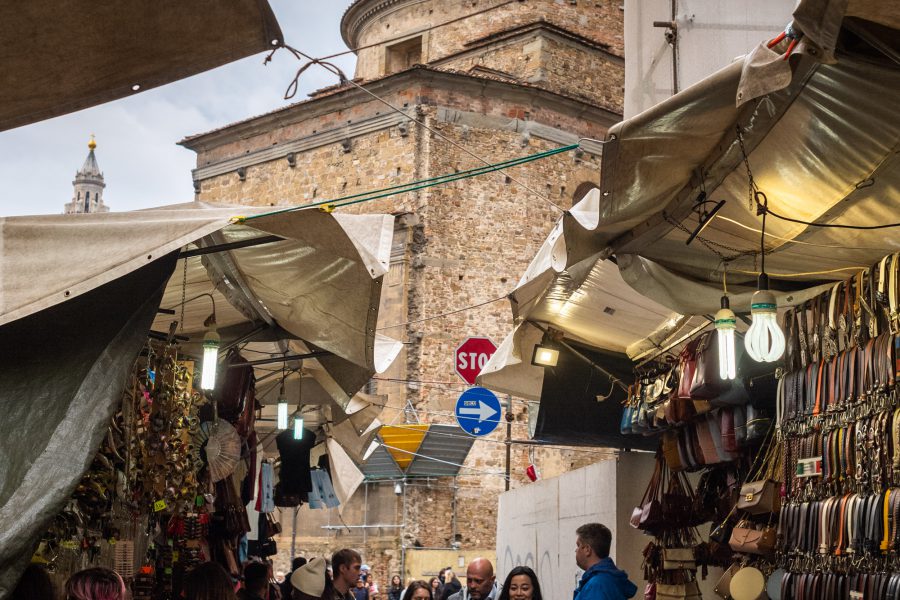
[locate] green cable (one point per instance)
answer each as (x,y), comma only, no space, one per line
(416,185)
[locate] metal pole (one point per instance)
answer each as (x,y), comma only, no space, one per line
(509,419)
(366,521)
(294,535)
(403,573)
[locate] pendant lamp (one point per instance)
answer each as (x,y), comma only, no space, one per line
(764,340)
(210,353)
(726,323)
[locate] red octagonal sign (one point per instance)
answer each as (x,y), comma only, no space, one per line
(471,356)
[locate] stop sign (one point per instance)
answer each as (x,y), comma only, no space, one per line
(471,356)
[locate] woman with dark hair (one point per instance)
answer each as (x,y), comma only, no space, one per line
(395,591)
(35,584)
(436,586)
(418,590)
(521,584)
(97,583)
(208,581)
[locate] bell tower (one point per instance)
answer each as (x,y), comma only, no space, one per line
(88,194)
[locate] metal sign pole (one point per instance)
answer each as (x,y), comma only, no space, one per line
(294,535)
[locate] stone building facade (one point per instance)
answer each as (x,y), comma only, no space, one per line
(486,80)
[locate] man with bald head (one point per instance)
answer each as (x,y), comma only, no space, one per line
(480,582)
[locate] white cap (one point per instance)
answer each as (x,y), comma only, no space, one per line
(310,578)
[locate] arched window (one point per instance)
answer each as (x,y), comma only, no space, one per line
(87,202)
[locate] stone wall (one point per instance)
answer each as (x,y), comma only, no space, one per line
(598,20)
(455,245)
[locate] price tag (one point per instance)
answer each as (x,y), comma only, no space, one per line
(809,467)
(159,505)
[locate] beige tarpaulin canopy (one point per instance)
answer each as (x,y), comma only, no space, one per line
(317,289)
(823,144)
(64,55)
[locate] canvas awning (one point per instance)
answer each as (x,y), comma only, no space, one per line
(60,56)
(823,144)
(417,450)
(79,293)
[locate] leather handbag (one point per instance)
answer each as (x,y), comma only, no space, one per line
(723,585)
(651,511)
(678,591)
(760,497)
(670,450)
(678,558)
(748,540)
(732,393)
(706,383)
(758,423)
(687,364)
(749,584)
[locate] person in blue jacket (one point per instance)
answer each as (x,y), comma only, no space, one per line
(602,580)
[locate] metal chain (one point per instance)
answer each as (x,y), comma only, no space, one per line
(751,183)
(738,253)
(183,292)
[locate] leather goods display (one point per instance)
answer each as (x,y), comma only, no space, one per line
(838,415)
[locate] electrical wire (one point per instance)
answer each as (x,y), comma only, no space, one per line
(808,273)
(800,242)
(446,314)
(343,79)
(766,210)
(411,186)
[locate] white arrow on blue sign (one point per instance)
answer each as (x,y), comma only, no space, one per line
(478,411)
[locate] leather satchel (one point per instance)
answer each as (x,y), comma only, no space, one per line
(760,497)
(723,586)
(678,591)
(687,366)
(748,540)
(678,558)
(706,383)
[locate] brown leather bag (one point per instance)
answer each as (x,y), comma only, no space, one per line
(678,591)
(678,558)
(760,497)
(651,511)
(687,365)
(706,383)
(723,586)
(746,539)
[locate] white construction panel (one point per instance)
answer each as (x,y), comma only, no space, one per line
(709,35)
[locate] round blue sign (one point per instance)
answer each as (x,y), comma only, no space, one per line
(478,411)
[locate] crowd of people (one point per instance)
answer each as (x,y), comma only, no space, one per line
(347,578)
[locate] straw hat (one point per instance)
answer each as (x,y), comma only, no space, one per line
(310,578)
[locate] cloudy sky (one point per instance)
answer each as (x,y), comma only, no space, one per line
(136,136)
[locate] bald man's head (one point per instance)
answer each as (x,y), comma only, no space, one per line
(479,578)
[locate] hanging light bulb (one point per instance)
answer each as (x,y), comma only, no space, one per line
(282,407)
(210,356)
(764,340)
(298,428)
(726,323)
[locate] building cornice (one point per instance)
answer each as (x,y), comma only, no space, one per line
(349,97)
(361,11)
(469,85)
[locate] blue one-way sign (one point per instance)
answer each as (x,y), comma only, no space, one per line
(478,411)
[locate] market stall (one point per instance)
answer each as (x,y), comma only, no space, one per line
(772,184)
(119,442)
